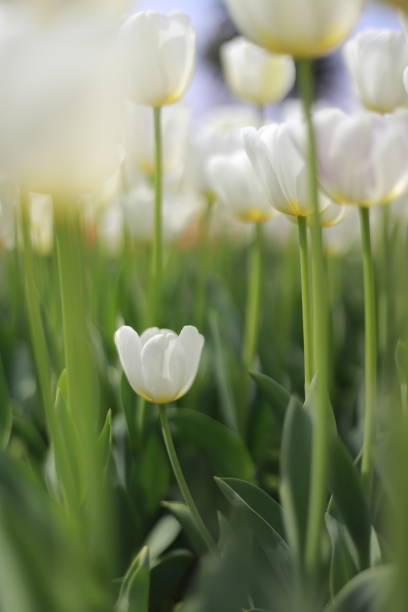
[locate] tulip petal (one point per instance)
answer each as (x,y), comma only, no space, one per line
(191,342)
(129,347)
(155,358)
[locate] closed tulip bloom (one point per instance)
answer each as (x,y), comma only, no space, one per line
(160,54)
(295,27)
(160,365)
(362,157)
(277,157)
(254,74)
(238,187)
(376,60)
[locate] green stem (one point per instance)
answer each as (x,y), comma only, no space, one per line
(253,299)
(203,267)
(181,481)
(306,299)
(157,254)
(318,493)
(370,347)
(385,289)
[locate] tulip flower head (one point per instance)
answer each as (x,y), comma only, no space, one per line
(160,365)
(295,27)
(254,74)
(362,157)
(238,187)
(277,157)
(160,54)
(376,60)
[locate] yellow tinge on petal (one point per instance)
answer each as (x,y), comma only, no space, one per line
(304,48)
(256,215)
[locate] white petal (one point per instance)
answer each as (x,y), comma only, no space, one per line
(129,347)
(156,374)
(191,342)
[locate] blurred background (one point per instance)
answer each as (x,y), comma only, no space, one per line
(213,26)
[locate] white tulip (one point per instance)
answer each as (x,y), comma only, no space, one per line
(234,180)
(140,146)
(60,103)
(159,365)
(277,156)
(296,27)
(41,222)
(254,74)
(376,60)
(362,157)
(160,52)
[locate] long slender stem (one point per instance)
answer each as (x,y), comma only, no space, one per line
(385,290)
(157,254)
(181,481)
(203,266)
(253,299)
(321,403)
(370,347)
(306,301)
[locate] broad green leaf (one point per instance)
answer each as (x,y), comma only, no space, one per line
(342,565)
(105,438)
(183,514)
(347,490)
(6,411)
(167,577)
(257,500)
(367,592)
(224,449)
(295,474)
(275,393)
(134,592)
(162,535)
(401,359)
(227,402)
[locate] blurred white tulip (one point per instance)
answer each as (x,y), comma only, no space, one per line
(219,133)
(41,222)
(296,27)
(180,207)
(376,60)
(341,238)
(226,226)
(160,365)
(60,102)
(362,157)
(237,185)
(140,147)
(159,52)
(254,74)
(110,228)
(276,155)
(9,198)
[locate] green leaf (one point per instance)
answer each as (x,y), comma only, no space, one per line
(275,393)
(347,490)
(167,577)
(6,411)
(183,515)
(105,437)
(224,449)
(401,359)
(260,502)
(134,592)
(367,592)
(227,402)
(342,566)
(162,535)
(295,474)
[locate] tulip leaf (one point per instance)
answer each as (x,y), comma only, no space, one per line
(348,493)
(278,397)
(295,473)
(342,565)
(224,449)
(105,438)
(6,411)
(167,577)
(367,592)
(183,514)
(134,592)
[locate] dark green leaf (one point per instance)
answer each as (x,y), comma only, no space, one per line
(275,393)
(183,514)
(134,592)
(367,592)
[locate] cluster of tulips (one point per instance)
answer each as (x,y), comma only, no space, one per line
(98,151)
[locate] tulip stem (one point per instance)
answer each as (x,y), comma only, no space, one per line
(318,488)
(204,266)
(370,347)
(385,291)
(181,481)
(306,306)
(253,299)
(157,254)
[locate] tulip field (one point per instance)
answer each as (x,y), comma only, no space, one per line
(204,320)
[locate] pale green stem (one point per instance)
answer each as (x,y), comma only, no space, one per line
(253,299)
(318,489)
(385,289)
(181,481)
(306,301)
(203,266)
(157,254)
(370,348)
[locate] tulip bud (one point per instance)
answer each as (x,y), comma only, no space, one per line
(159,365)
(255,75)
(277,156)
(160,56)
(362,157)
(295,27)
(376,60)
(238,187)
